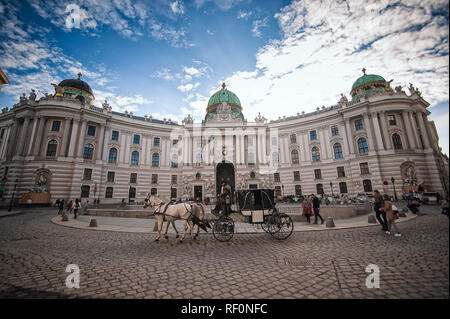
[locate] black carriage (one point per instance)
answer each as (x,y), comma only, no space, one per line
(257,206)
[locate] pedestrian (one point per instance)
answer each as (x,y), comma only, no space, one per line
(57,202)
(444,206)
(380,214)
(76,207)
(307,209)
(316,208)
(391,216)
(70,207)
(61,206)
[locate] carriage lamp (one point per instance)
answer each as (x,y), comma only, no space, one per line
(393,185)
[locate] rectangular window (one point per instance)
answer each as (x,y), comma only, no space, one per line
(133,178)
(154,178)
(391,119)
(87,175)
(343,188)
(359,125)
(111,177)
(173,193)
(154,191)
(276,177)
(296,175)
(115,135)
(199,143)
(367,184)
(364,168)
(156,141)
(334,130)
(174,179)
(91,130)
(174,142)
(319,189)
(251,159)
(136,139)
(274,141)
(56,125)
(318,174)
(109,192)
(277,191)
(341,171)
(250,141)
(298,190)
(85,190)
(313,135)
(293,138)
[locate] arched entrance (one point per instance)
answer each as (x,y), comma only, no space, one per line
(224,172)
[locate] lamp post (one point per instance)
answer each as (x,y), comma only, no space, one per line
(12,197)
(393,185)
(331,185)
(282,187)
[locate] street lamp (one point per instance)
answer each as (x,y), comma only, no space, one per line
(282,186)
(12,197)
(331,185)
(393,185)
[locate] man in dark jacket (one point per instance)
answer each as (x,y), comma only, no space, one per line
(316,208)
(225,192)
(379,203)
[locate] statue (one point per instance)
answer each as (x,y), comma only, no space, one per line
(343,100)
(361,93)
(59,91)
(41,184)
(411,89)
(106,106)
(32,96)
(260,118)
(23,98)
(398,89)
(188,120)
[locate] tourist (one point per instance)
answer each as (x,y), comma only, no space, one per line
(70,207)
(316,208)
(380,214)
(76,207)
(413,206)
(444,206)
(307,209)
(61,206)
(391,216)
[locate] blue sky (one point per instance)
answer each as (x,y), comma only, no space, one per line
(165,58)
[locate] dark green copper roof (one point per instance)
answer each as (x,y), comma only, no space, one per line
(367,79)
(224,96)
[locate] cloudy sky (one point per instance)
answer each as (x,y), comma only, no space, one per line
(165,58)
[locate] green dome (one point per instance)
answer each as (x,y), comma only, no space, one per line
(367,80)
(224,96)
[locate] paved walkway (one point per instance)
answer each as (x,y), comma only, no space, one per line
(139,225)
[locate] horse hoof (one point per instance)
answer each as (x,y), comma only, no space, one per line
(181,241)
(156,239)
(178,236)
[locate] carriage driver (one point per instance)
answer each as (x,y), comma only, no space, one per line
(225,191)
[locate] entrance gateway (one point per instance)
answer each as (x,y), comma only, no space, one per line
(225,172)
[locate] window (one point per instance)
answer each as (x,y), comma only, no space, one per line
(397,141)
(174,162)
(87,175)
(112,158)
(293,138)
(334,130)
(275,158)
(88,151)
(250,141)
(274,141)
(136,139)
(317,174)
(155,160)
(173,193)
(364,167)
(359,125)
(115,135)
(154,178)
(133,178)
(156,141)
(251,159)
(343,188)
(391,119)
(199,143)
(51,148)
(85,190)
(296,175)
(252,175)
(313,135)
(91,130)
(319,189)
(298,190)
(175,142)
(109,192)
(367,184)
(174,179)
(198,176)
(276,177)
(277,191)
(362,146)
(132,192)
(337,147)
(199,158)
(315,154)
(294,157)
(341,171)
(110,177)
(154,191)
(56,125)
(135,158)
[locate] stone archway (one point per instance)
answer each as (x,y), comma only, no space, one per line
(225,172)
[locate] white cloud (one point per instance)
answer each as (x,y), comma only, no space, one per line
(244,15)
(177,7)
(257,24)
(163,74)
(188,87)
(223,5)
(121,103)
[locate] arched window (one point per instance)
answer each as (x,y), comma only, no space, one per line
(155,160)
(88,151)
(294,157)
(174,162)
(275,158)
(362,146)
(315,154)
(338,151)
(397,141)
(112,158)
(135,158)
(51,148)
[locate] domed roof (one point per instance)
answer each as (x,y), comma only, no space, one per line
(224,96)
(76,86)
(366,80)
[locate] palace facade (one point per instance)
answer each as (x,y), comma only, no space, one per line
(61,144)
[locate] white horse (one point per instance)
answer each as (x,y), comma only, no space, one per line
(188,213)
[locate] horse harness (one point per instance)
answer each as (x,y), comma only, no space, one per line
(158,211)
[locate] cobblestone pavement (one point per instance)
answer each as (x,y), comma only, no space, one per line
(34,254)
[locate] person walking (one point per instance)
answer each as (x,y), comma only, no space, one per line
(391,216)
(307,209)
(70,207)
(380,214)
(61,206)
(76,207)
(316,208)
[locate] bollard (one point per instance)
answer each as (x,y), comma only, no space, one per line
(402,214)
(371,219)
(64,218)
(330,222)
(93,223)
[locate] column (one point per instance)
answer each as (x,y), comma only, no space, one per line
(369,132)
(126,149)
(81,138)
(23,135)
(306,145)
(415,130)
(286,148)
(326,133)
(376,126)
(73,138)
(351,143)
(123,145)
(5,142)
(39,134)
(409,132)
(65,138)
(143,156)
(105,142)
(387,139)
(346,141)
(12,144)
(190,149)
(423,130)
(100,141)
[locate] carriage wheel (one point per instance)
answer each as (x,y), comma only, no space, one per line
(280,226)
(223,229)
